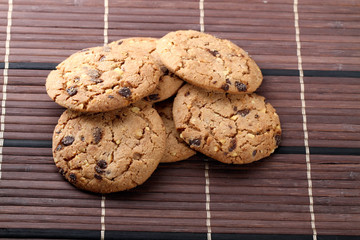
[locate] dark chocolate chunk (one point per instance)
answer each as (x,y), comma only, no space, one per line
(243,112)
(97,176)
(97,134)
(59,147)
(93,73)
(102,164)
(125,92)
(164,70)
(232,145)
(277,139)
(154,97)
(195,141)
(256,116)
(214,82)
(98,169)
(71,91)
(235,108)
(67,140)
(72,177)
(240,86)
(187,94)
(213,52)
(110,96)
(61,171)
(254,153)
(225,87)
(228,81)
(82,138)
(137,156)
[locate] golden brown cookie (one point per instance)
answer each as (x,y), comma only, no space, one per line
(105,78)
(209,62)
(176,149)
(169,83)
(109,152)
(229,128)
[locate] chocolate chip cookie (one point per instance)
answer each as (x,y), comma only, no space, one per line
(105,78)
(229,128)
(209,62)
(176,149)
(109,152)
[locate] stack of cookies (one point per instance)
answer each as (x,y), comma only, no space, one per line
(121,119)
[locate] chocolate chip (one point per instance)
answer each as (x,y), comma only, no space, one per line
(228,81)
(277,139)
(61,171)
(137,156)
(187,94)
(67,140)
(98,169)
(59,147)
(97,134)
(82,138)
(110,96)
(93,73)
(102,164)
(195,141)
(164,70)
(97,176)
(240,86)
(72,177)
(225,87)
(58,132)
(243,112)
(214,82)
(120,42)
(256,116)
(213,52)
(71,91)
(232,145)
(154,97)
(125,92)
(254,153)
(235,108)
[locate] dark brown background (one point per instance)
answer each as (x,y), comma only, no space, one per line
(268,197)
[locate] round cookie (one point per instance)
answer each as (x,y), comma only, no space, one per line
(229,128)
(101,79)
(176,149)
(109,152)
(169,83)
(209,62)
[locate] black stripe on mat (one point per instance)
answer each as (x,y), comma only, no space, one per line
(280,150)
(266,72)
(24,233)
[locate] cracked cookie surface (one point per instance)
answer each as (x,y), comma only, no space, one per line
(176,149)
(169,83)
(209,62)
(104,78)
(235,129)
(109,152)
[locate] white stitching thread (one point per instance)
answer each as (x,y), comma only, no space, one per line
(5,77)
(303,112)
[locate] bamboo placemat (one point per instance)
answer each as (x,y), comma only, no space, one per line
(308,189)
